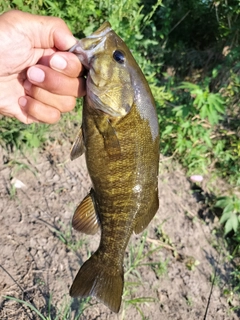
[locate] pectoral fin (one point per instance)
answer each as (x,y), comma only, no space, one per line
(111,142)
(78,147)
(85,218)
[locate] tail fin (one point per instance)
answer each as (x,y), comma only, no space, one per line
(97,279)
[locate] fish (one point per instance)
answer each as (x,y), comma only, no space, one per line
(120,138)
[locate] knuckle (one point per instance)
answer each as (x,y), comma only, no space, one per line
(57,84)
(35,92)
(59,21)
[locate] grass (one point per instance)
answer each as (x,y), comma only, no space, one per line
(63,313)
(138,261)
(14,134)
(65,235)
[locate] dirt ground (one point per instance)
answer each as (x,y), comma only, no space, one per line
(41,254)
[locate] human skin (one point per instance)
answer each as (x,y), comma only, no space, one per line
(39,80)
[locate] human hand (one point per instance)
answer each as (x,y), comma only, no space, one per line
(38,80)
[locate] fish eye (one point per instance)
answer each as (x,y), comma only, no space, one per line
(118,56)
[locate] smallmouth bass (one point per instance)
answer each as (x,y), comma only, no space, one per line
(120,138)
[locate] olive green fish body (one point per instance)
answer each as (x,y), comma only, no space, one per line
(122,156)
(126,189)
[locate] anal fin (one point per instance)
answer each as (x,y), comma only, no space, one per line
(144,217)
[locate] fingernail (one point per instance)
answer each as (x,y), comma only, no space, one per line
(35,74)
(58,62)
(22,101)
(27,85)
(70,41)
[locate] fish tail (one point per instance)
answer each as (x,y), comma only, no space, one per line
(96,278)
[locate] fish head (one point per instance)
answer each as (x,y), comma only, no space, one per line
(109,81)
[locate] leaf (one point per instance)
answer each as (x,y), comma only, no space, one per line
(204,111)
(207,140)
(235,222)
(225,217)
(189,85)
(18,3)
(215,100)
(222,202)
(199,101)
(167,130)
(236,205)
(228,227)
(229,207)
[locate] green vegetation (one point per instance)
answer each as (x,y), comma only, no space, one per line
(189,51)
(64,312)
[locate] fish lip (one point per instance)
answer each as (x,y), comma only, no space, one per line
(81,54)
(86,55)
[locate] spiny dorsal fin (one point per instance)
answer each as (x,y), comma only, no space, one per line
(85,218)
(78,147)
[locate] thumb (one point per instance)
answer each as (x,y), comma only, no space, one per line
(62,37)
(53,32)
(44,32)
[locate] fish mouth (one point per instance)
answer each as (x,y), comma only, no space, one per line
(86,48)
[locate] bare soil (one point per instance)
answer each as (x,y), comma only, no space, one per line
(41,254)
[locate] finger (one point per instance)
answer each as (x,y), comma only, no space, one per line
(20,115)
(60,102)
(46,56)
(56,82)
(67,63)
(26,118)
(38,110)
(64,62)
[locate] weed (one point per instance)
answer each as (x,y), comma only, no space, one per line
(64,234)
(12,192)
(160,268)
(193,131)
(236,279)
(63,313)
(215,279)
(231,212)
(18,135)
(140,256)
(191,263)
(189,301)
